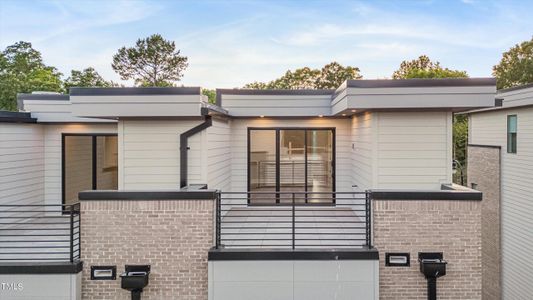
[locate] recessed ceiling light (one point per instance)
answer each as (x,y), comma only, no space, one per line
(353,110)
(261,116)
(344,115)
(320,116)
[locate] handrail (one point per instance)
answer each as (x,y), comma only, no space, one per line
(40,232)
(337,220)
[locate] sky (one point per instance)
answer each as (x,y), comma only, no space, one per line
(231,43)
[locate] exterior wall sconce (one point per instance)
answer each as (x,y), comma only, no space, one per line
(103,272)
(397,259)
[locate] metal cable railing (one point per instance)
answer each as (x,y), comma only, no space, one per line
(40,232)
(315,220)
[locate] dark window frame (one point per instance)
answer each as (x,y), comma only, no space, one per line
(305,129)
(512,137)
(93,157)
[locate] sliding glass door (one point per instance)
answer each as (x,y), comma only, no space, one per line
(287,162)
(90,162)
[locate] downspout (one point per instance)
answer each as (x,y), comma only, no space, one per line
(184,147)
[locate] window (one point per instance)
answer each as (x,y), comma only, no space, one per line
(511,133)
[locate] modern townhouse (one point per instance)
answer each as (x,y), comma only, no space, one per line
(267,194)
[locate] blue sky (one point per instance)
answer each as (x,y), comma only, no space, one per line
(230,43)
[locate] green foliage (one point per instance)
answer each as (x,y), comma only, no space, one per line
(211,95)
(460,140)
(423,67)
(516,66)
(87,78)
(22,70)
(153,61)
(329,77)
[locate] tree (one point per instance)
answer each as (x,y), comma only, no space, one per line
(516,66)
(423,67)
(22,70)
(153,61)
(211,95)
(329,77)
(333,75)
(87,78)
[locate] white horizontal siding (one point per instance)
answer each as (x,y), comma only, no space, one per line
(362,151)
(413,150)
(344,179)
(490,128)
(219,155)
(21,163)
(52,154)
(149,152)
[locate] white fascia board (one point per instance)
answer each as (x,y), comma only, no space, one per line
(511,99)
(111,106)
(419,97)
(47,111)
(277,105)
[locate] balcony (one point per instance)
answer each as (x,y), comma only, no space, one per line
(293,220)
(39,233)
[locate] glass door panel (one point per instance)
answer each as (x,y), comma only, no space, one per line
(262,166)
(319,164)
(292,165)
(78,166)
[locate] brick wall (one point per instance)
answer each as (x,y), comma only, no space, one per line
(173,236)
(484,171)
(451,227)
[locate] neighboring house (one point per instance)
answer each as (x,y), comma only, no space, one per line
(500,164)
(355,182)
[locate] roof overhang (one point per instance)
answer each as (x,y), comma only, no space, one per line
(515,97)
(456,95)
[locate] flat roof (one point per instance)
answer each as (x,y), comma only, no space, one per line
(37,96)
(16,117)
(420,82)
(130,91)
(515,88)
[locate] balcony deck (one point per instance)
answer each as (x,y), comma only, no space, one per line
(39,233)
(341,222)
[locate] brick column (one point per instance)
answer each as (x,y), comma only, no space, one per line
(173,236)
(484,170)
(449,226)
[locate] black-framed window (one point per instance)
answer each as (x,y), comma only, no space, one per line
(283,160)
(512,130)
(88,162)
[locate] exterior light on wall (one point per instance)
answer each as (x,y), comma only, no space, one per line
(344,115)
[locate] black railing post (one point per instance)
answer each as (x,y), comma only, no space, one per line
(218,221)
(368,212)
(293,222)
(71,233)
(79,229)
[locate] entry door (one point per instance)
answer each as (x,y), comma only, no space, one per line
(287,162)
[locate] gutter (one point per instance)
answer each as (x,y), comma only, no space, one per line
(184,147)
